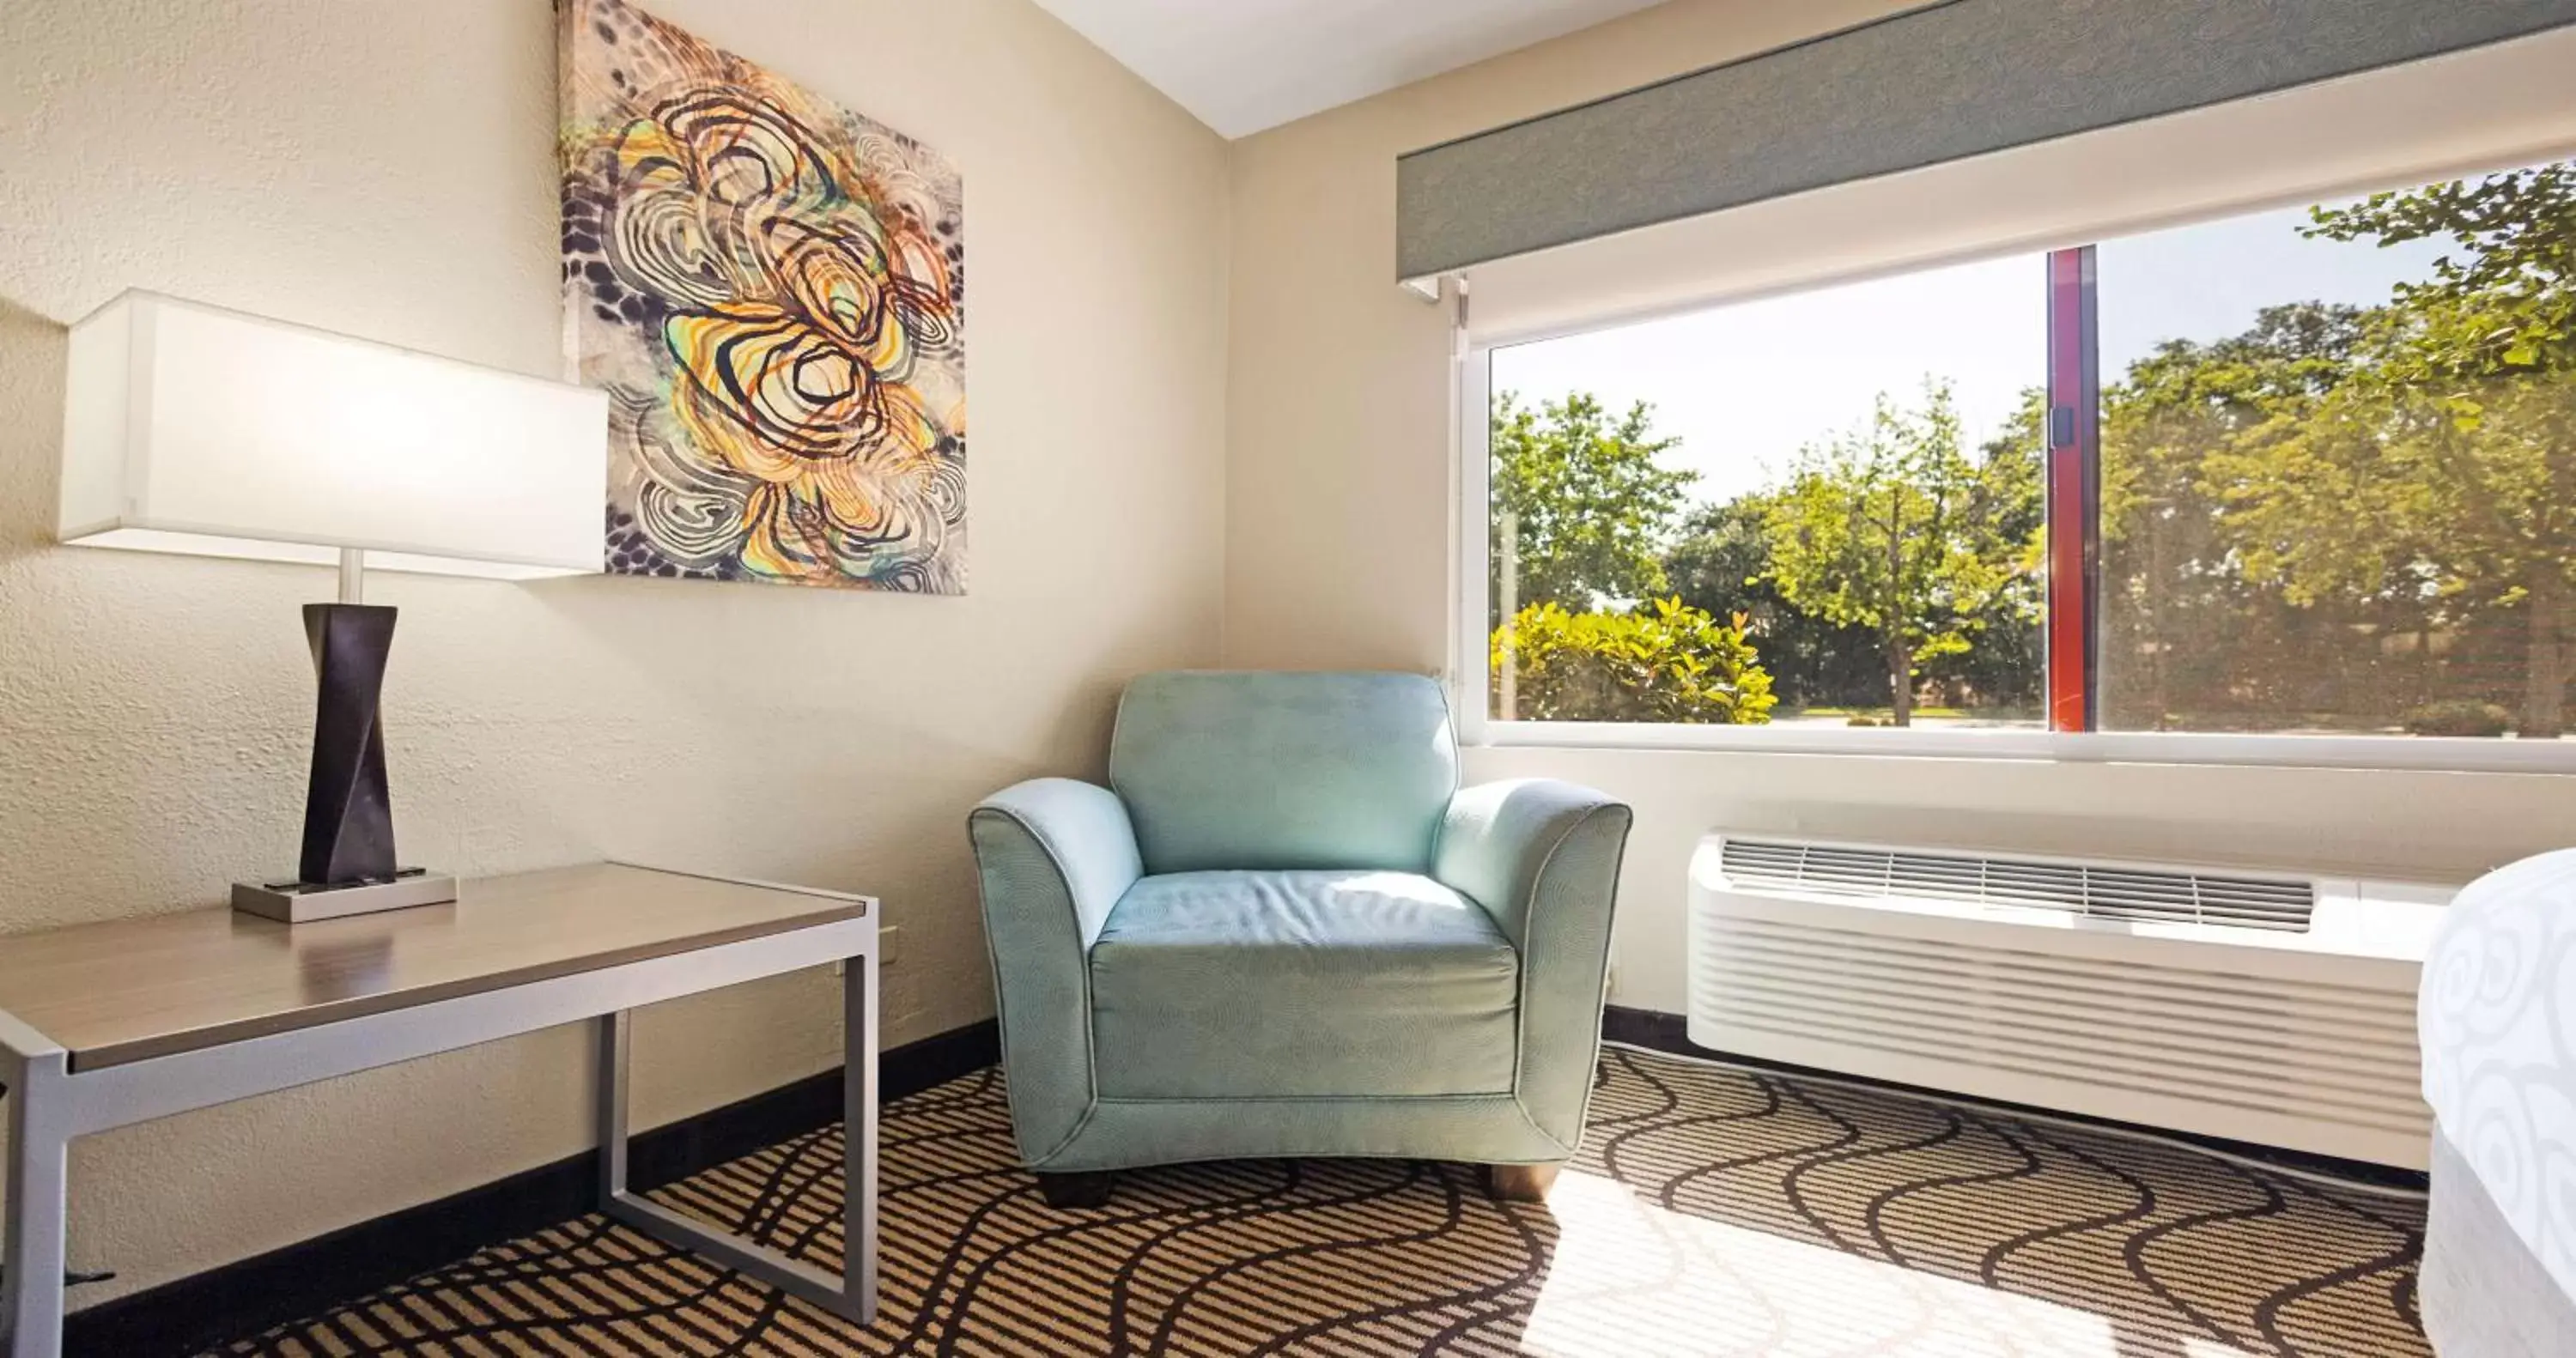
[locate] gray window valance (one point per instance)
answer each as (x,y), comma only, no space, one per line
(1937,83)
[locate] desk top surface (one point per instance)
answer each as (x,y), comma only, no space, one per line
(127,989)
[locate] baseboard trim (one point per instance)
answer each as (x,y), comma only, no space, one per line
(1670,1033)
(1649,1029)
(189,1315)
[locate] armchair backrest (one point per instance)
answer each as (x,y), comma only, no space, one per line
(1258,770)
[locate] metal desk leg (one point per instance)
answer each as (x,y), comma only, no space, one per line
(852,1295)
(859,1132)
(32,1292)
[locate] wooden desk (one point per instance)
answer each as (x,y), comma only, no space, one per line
(102,1025)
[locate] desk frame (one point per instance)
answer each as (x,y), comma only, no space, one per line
(49,1103)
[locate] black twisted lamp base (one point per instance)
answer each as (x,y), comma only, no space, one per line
(348,820)
(347,867)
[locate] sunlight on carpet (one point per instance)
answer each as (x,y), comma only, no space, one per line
(1632,1280)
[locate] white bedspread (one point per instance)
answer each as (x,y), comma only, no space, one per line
(2497,1018)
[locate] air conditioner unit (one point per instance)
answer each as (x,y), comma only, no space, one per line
(2272,1008)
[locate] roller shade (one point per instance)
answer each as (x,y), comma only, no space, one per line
(1935,84)
(2462,113)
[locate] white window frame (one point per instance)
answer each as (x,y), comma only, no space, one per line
(1471,531)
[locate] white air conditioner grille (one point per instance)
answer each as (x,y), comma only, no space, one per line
(2101,892)
(2132,991)
(2329,1054)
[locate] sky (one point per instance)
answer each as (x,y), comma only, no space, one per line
(1746,386)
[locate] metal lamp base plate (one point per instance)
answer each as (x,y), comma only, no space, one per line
(303,902)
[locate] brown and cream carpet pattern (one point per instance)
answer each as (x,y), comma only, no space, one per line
(1713,1212)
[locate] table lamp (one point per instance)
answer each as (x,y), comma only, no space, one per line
(193,429)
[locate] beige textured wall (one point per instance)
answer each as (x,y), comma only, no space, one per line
(1338,554)
(385,167)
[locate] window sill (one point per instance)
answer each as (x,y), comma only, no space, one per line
(2432,753)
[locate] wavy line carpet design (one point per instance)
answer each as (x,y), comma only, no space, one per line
(1713,1212)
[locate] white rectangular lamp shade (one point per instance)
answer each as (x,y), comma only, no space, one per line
(193,429)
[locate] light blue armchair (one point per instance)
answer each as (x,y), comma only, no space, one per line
(1287,933)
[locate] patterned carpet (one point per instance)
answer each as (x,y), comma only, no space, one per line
(1713,1212)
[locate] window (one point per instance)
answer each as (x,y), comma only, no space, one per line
(2305,471)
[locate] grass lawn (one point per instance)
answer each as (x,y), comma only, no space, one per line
(1923,716)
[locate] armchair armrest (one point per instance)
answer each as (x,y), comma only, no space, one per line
(1542,857)
(1057,836)
(1052,857)
(1498,839)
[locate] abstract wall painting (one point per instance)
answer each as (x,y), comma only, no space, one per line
(773,291)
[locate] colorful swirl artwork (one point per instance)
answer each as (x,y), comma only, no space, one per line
(772,289)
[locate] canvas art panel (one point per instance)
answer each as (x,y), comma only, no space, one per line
(772,289)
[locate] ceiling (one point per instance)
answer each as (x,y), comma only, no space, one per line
(1244,65)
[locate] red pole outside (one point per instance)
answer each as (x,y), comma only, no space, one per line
(2074,491)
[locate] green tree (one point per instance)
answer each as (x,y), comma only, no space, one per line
(2189,632)
(2444,465)
(1582,504)
(2006,663)
(1720,562)
(1664,662)
(2511,285)
(1893,527)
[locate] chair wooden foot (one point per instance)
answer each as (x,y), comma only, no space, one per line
(1520,1183)
(1087,1189)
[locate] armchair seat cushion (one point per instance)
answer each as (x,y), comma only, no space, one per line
(1282,984)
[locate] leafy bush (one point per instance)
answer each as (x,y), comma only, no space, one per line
(1669,662)
(2458,717)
